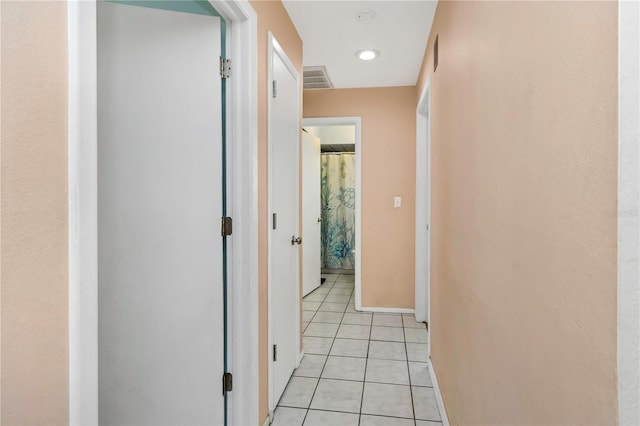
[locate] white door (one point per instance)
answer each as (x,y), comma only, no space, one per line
(284,129)
(310,213)
(159,206)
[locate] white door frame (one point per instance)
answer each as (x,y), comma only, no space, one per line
(628,213)
(357,122)
(423,208)
(276,49)
(242,199)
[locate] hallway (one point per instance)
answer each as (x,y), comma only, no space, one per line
(153,270)
(358,368)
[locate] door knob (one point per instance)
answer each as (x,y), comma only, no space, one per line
(295,240)
(319,220)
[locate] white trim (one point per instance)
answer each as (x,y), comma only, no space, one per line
(83,213)
(423,204)
(242,113)
(242,205)
(388,310)
(628,212)
(357,122)
(267,421)
(436,390)
(275,48)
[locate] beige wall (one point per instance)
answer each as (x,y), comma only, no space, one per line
(388,170)
(273,17)
(33,243)
(524,153)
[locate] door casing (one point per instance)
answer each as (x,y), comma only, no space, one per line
(357,122)
(628,327)
(423,209)
(242,198)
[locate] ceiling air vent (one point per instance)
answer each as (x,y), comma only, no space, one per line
(316,78)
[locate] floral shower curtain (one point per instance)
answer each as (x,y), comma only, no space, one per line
(338,210)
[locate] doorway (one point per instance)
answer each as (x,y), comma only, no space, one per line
(284,218)
(339,190)
(241,154)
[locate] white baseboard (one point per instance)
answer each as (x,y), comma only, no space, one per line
(268,420)
(387,310)
(299,359)
(439,400)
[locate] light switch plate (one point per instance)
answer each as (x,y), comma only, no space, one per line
(397,202)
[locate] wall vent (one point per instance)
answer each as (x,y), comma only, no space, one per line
(316,78)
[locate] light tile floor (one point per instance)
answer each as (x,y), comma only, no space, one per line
(366,369)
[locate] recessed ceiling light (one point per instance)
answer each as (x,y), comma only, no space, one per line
(365,14)
(367,54)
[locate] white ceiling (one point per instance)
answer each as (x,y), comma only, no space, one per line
(331,36)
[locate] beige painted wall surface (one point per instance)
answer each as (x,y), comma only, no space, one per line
(524,105)
(272,16)
(388,170)
(33,243)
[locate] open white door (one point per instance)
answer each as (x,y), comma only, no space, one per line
(310,213)
(160,281)
(284,253)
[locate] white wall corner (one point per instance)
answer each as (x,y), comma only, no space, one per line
(628,213)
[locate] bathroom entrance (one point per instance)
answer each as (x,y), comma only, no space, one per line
(335,187)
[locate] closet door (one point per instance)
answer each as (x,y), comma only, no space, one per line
(284,280)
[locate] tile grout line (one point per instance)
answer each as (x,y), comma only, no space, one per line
(366,363)
(413,408)
(317,383)
(351,338)
(315,312)
(347,412)
(320,376)
(369,381)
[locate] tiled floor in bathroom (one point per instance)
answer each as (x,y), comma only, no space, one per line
(359,368)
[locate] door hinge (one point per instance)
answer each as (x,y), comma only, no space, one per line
(275,89)
(227,382)
(275,352)
(275,220)
(227,226)
(225,68)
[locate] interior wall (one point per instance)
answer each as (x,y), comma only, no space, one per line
(524,157)
(33,224)
(388,169)
(272,16)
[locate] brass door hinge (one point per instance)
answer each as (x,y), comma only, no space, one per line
(227,226)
